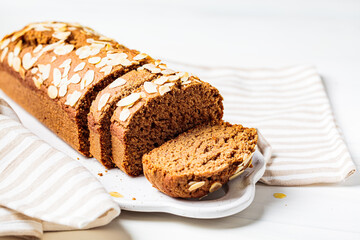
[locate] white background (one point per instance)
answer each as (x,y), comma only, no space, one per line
(240,34)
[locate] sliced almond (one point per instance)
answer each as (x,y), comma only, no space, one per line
(83,52)
(118,82)
(34,70)
(215,186)
(17,48)
(161,80)
(187,82)
(102,62)
(173,78)
(88,77)
(4,43)
(140,56)
(124,114)
(106,70)
(53,58)
(63,49)
(16,64)
(61,35)
(168,72)
(66,71)
(3,54)
(129,100)
(37,82)
(73,98)
(28,61)
(94,60)
(56,77)
(66,63)
(38,48)
(62,90)
(44,70)
(79,67)
(196,186)
(164,89)
(75,78)
(103,100)
(125,62)
(150,87)
(52,92)
(10,58)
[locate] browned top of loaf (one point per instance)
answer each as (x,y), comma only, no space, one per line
(128,106)
(118,89)
(204,150)
(64,60)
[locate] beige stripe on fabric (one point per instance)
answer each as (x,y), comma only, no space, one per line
(32,173)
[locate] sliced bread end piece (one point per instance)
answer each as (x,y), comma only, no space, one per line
(200,160)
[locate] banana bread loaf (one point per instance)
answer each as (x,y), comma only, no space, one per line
(55,70)
(200,160)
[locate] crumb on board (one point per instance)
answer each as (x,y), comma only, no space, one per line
(116,194)
(106,170)
(133,198)
(77,158)
(279,195)
(100,174)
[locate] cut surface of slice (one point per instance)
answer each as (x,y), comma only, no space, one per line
(158,112)
(200,160)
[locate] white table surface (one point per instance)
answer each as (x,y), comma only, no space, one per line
(240,34)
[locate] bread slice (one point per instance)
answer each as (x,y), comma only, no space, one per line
(200,160)
(157,112)
(103,108)
(55,70)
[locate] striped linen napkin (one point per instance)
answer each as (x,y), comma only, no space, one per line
(42,189)
(291,109)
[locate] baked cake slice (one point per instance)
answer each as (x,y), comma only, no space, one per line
(200,160)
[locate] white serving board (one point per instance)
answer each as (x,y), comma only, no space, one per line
(139,195)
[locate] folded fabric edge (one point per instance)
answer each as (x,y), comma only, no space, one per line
(26,229)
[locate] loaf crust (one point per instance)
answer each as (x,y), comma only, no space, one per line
(64,62)
(201,160)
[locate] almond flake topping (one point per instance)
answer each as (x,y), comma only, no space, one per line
(79,67)
(10,58)
(140,56)
(44,70)
(187,82)
(53,58)
(17,48)
(63,49)
(103,100)
(94,60)
(118,82)
(56,77)
(150,87)
(106,70)
(61,35)
(3,54)
(34,70)
(16,64)
(28,61)
(52,92)
(62,90)
(38,48)
(124,114)
(196,186)
(66,63)
(37,82)
(129,100)
(102,63)
(75,78)
(164,89)
(72,99)
(215,186)
(66,71)
(168,72)
(173,78)
(4,43)
(161,80)
(88,77)
(117,58)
